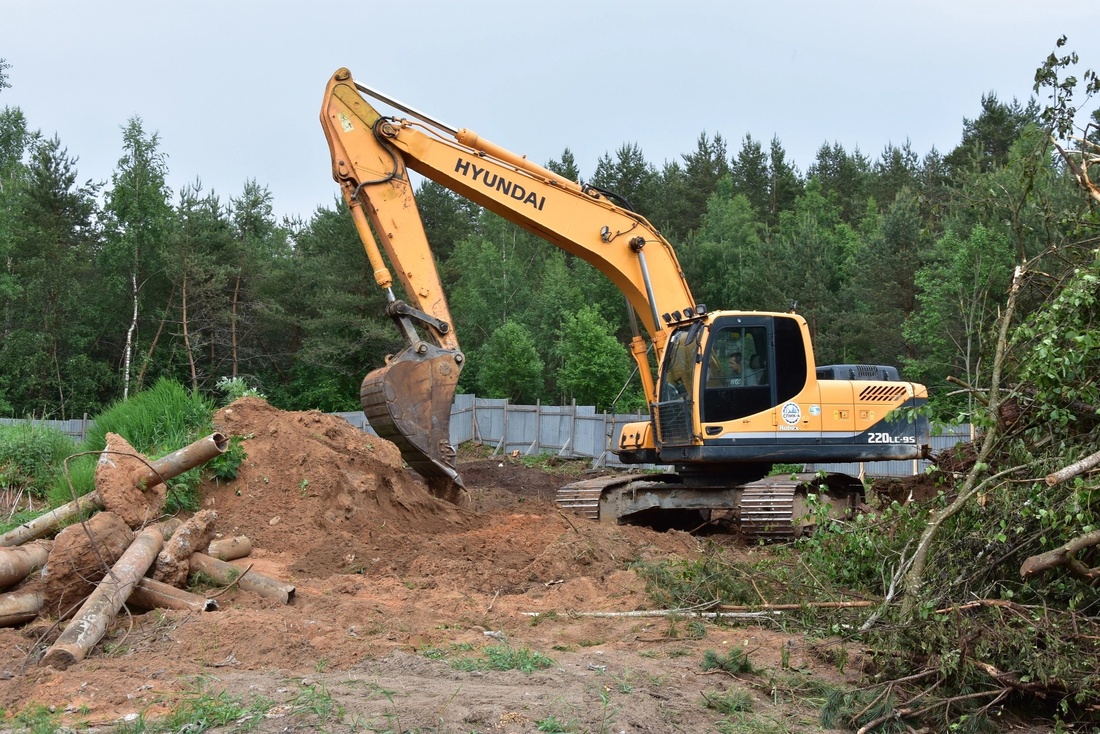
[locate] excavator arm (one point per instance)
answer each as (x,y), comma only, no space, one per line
(408,401)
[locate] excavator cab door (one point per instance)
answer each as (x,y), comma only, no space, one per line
(674,412)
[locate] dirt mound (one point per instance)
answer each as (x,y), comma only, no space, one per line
(317,491)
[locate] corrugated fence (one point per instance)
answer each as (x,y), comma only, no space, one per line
(571,431)
(77,428)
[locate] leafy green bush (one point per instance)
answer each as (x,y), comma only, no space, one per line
(31,457)
(235,388)
(857,554)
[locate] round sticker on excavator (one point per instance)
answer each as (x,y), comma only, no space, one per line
(792,414)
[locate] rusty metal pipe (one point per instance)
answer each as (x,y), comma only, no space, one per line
(151,594)
(178,462)
(226,573)
(100,609)
(17,564)
(229,549)
(19,608)
(47,523)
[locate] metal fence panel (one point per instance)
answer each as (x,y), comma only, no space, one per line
(463,427)
(75,428)
(357,419)
(574,431)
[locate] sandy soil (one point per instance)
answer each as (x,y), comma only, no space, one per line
(394,589)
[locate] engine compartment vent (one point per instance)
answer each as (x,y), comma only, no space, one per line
(858,372)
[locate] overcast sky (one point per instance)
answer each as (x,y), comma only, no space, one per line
(233,88)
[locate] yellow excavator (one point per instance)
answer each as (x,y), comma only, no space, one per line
(735,392)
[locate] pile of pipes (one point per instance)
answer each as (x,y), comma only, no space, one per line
(120,552)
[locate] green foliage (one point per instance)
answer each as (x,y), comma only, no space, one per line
(726,263)
(735,661)
(1059,115)
(155,422)
(224,468)
(509,366)
(595,366)
(856,708)
(1062,354)
(864,553)
(504,657)
(733,701)
(987,139)
(165,417)
(235,388)
(31,457)
(961,286)
(676,585)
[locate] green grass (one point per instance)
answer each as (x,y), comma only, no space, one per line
(202,711)
(156,422)
(555,725)
(33,719)
(504,657)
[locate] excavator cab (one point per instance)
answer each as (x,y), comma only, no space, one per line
(742,388)
(723,369)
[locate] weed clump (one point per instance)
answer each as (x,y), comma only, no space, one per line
(736,661)
(31,457)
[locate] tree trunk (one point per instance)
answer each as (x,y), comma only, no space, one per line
(1069,472)
(186,337)
(128,353)
(233,323)
(156,337)
(915,578)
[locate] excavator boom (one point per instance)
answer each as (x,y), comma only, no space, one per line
(407,400)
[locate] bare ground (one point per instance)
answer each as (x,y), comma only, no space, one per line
(394,590)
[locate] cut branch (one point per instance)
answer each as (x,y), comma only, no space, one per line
(1065,555)
(915,577)
(1073,470)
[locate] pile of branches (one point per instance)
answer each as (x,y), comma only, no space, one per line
(999,601)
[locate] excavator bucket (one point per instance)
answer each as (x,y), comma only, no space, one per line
(408,402)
